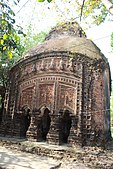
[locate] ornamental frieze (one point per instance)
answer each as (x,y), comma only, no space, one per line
(53,64)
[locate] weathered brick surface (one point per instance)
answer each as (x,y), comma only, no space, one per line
(52,80)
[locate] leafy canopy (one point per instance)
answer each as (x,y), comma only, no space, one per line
(94,11)
(9,32)
(88,11)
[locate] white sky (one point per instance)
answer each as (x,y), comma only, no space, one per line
(42,16)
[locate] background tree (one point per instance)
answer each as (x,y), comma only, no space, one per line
(97,10)
(32,39)
(9,44)
(13,43)
(9,32)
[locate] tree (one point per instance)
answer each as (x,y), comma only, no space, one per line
(88,10)
(32,39)
(9,40)
(9,32)
(9,44)
(6,64)
(11,48)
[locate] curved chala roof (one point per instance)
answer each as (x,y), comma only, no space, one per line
(67,37)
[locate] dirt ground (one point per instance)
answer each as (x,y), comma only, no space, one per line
(12,159)
(22,154)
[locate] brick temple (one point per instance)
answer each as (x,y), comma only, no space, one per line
(59,91)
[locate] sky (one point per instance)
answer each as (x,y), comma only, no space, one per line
(43,16)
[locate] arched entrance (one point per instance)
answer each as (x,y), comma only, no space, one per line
(45,124)
(26,120)
(65,125)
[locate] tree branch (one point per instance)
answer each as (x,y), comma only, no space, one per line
(82,9)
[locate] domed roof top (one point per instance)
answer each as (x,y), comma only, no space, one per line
(67,37)
(68,28)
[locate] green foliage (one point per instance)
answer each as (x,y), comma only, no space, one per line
(32,40)
(10,46)
(26,44)
(41,0)
(44,0)
(9,32)
(5,64)
(93,10)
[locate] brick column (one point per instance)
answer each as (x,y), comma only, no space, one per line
(32,130)
(53,135)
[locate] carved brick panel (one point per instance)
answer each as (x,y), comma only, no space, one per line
(26,97)
(67,97)
(51,64)
(46,94)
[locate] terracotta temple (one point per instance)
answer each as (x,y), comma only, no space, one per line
(59,91)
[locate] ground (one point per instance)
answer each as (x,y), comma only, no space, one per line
(23,154)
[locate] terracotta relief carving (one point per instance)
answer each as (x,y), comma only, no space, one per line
(66,91)
(67,96)
(50,64)
(23,72)
(46,95)
(29,68)
(77,68)
(42,66)
(61,65)
(26,97)
(70,66)
(34,67)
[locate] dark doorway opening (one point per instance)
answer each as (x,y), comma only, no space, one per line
(45,124)
(26,121)
(65,126)
(2,97)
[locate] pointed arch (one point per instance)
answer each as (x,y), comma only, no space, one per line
(65,126)
(45,122)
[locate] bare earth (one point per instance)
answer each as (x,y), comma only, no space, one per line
(22,154)
(12,159)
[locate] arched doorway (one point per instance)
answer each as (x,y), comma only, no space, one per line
(65,126)
(26,120)
(45,124)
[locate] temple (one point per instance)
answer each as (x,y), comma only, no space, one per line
(59,91)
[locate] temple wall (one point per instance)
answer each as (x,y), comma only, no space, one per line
(60,84)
